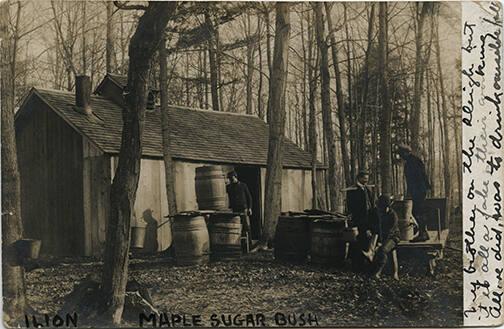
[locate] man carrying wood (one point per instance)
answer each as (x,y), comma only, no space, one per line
(386,230)
(361,206)
(240,200)
(417,187)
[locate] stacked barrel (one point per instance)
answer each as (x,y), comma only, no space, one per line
(210,188)
(320,237)
(212,231)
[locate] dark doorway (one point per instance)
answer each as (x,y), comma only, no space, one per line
(252,177)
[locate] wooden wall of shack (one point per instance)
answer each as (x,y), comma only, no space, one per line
(51,170)
(151,205)
(66,179)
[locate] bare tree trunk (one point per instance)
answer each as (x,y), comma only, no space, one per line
(214,76)
(143,45)
(458,146)
(326,103)
(187,83)
(276,107)
(419,69)
(250,66)
(442,138)
(260,107)
(110,59)
(199,85)
(165,122)
(362,138)
(218,63)
(447,143)
(13,283)
(386,115)
(268,52)
(340,100)
(351,105)
(205,76)
(430,118)
(83,39)
(312,90)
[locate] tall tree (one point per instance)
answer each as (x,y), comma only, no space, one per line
(260,106)
(326,103)
(13,284)
(143,45)
(165,123)
(351,107)
(421,10)
(110,55)
(83,39)
(339,99)
(212,56)
(444,105)
(266,12)
(386,115)
(312,98)
(276,108)
(251,46)
(364,100)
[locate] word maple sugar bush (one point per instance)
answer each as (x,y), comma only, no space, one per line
(482,156)
(228,320)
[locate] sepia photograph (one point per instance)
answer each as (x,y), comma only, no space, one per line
(235,164)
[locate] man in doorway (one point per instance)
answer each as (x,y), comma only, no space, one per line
(417,186)
(240,200)
(361,206)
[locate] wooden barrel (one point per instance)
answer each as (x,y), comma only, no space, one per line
(292,238)
(28,248)
(190,239)
(327,243)
(225,233)
(404,210)
(210,188)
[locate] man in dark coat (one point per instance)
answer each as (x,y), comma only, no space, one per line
(361,206)
(240,199)
(360,203)
(417,187)
(387,229)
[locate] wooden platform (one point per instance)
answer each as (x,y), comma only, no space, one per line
(437,241)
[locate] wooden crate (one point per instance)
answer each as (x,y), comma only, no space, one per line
(430,214)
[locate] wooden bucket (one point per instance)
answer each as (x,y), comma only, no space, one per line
(327,243)
(406,230)
(225,233)
(292,238)
(138,237)
(210,188)
(28,248)
(190,239)
(404,210)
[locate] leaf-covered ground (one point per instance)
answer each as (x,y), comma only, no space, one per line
(257,284)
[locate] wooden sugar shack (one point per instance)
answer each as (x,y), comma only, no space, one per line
(67,159)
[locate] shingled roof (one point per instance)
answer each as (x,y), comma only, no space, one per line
(197,135)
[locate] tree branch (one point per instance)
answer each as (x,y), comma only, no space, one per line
(125,6)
